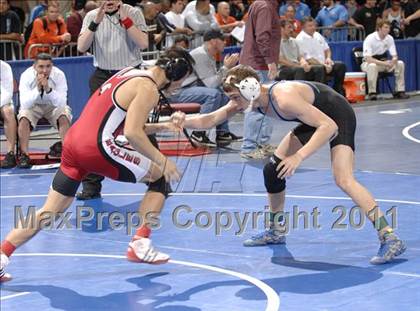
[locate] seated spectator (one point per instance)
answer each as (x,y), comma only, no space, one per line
(375,49)
(49,29)
(156,31)
(175,17)
(290,16)
(316,51)
(199,16)
(203,86)
(302,10)
(225,21)
(366,17)
(333,15)
(238,9)
(182,41)
(293,65)
(412,19)
(75,20)
(43,94)
(8,114)
(10,29)
(395,15)
(39,10)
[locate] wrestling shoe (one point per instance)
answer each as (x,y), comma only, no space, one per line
(4,261)
(391,247)
(141,250)
(270,236)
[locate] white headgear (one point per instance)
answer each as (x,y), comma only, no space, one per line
(249,88)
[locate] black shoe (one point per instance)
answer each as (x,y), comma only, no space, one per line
(9,160)
(401,95)
(55,150)
(83,196)
(372,96)
(227,138)
(201,139)
(24,161)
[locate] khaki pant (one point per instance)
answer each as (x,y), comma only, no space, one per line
(372,75)
(49,112)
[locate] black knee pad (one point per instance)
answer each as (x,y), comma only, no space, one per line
(272,183)
(160,186)
(64,184)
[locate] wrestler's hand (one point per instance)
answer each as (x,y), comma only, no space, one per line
(170,171)
(177,121)
(288,166)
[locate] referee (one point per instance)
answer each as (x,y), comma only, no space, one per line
(117,33)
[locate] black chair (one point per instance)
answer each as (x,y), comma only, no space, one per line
(358,59)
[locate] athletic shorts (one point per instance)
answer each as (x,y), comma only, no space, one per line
(337,108)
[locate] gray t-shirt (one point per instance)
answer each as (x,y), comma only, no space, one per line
(289,49)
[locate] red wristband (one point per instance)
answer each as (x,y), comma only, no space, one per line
(7,248)
(127,22)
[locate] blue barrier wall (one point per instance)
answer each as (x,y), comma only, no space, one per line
(79,69)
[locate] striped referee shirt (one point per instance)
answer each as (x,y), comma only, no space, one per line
(113,49)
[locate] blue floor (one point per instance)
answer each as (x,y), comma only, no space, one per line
(320,267)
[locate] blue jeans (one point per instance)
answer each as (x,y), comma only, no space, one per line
(210,100)
(257,127)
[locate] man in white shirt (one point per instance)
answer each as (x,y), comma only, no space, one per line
(316,51)
(375,49)
(175,17)
(8,114)
(43,94)
(199,16)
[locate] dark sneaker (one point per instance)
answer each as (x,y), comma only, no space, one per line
(227,138)
(201,139)
(372,96)
(9,160)
(401,95)
(55,150)
(24,161)
(83,196)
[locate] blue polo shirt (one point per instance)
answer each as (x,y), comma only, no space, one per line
(302,10)
(329,16)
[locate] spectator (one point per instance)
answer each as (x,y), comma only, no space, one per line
(226,22)
(204,86)
(366,17)
(175,17)
(182,41)
(316,51)
(375,49)
(10,29)
(293,65)
(39,10)
(290,15)
(302,9)
(155,30)
(115,46)
(50,29)
(18,7)
(199,16)
(261,52)
(333,15)
(43,94)
(315,7)
(8,114)
(395,16)
(75,20)
(412,21)
(351,6)
(238,9)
